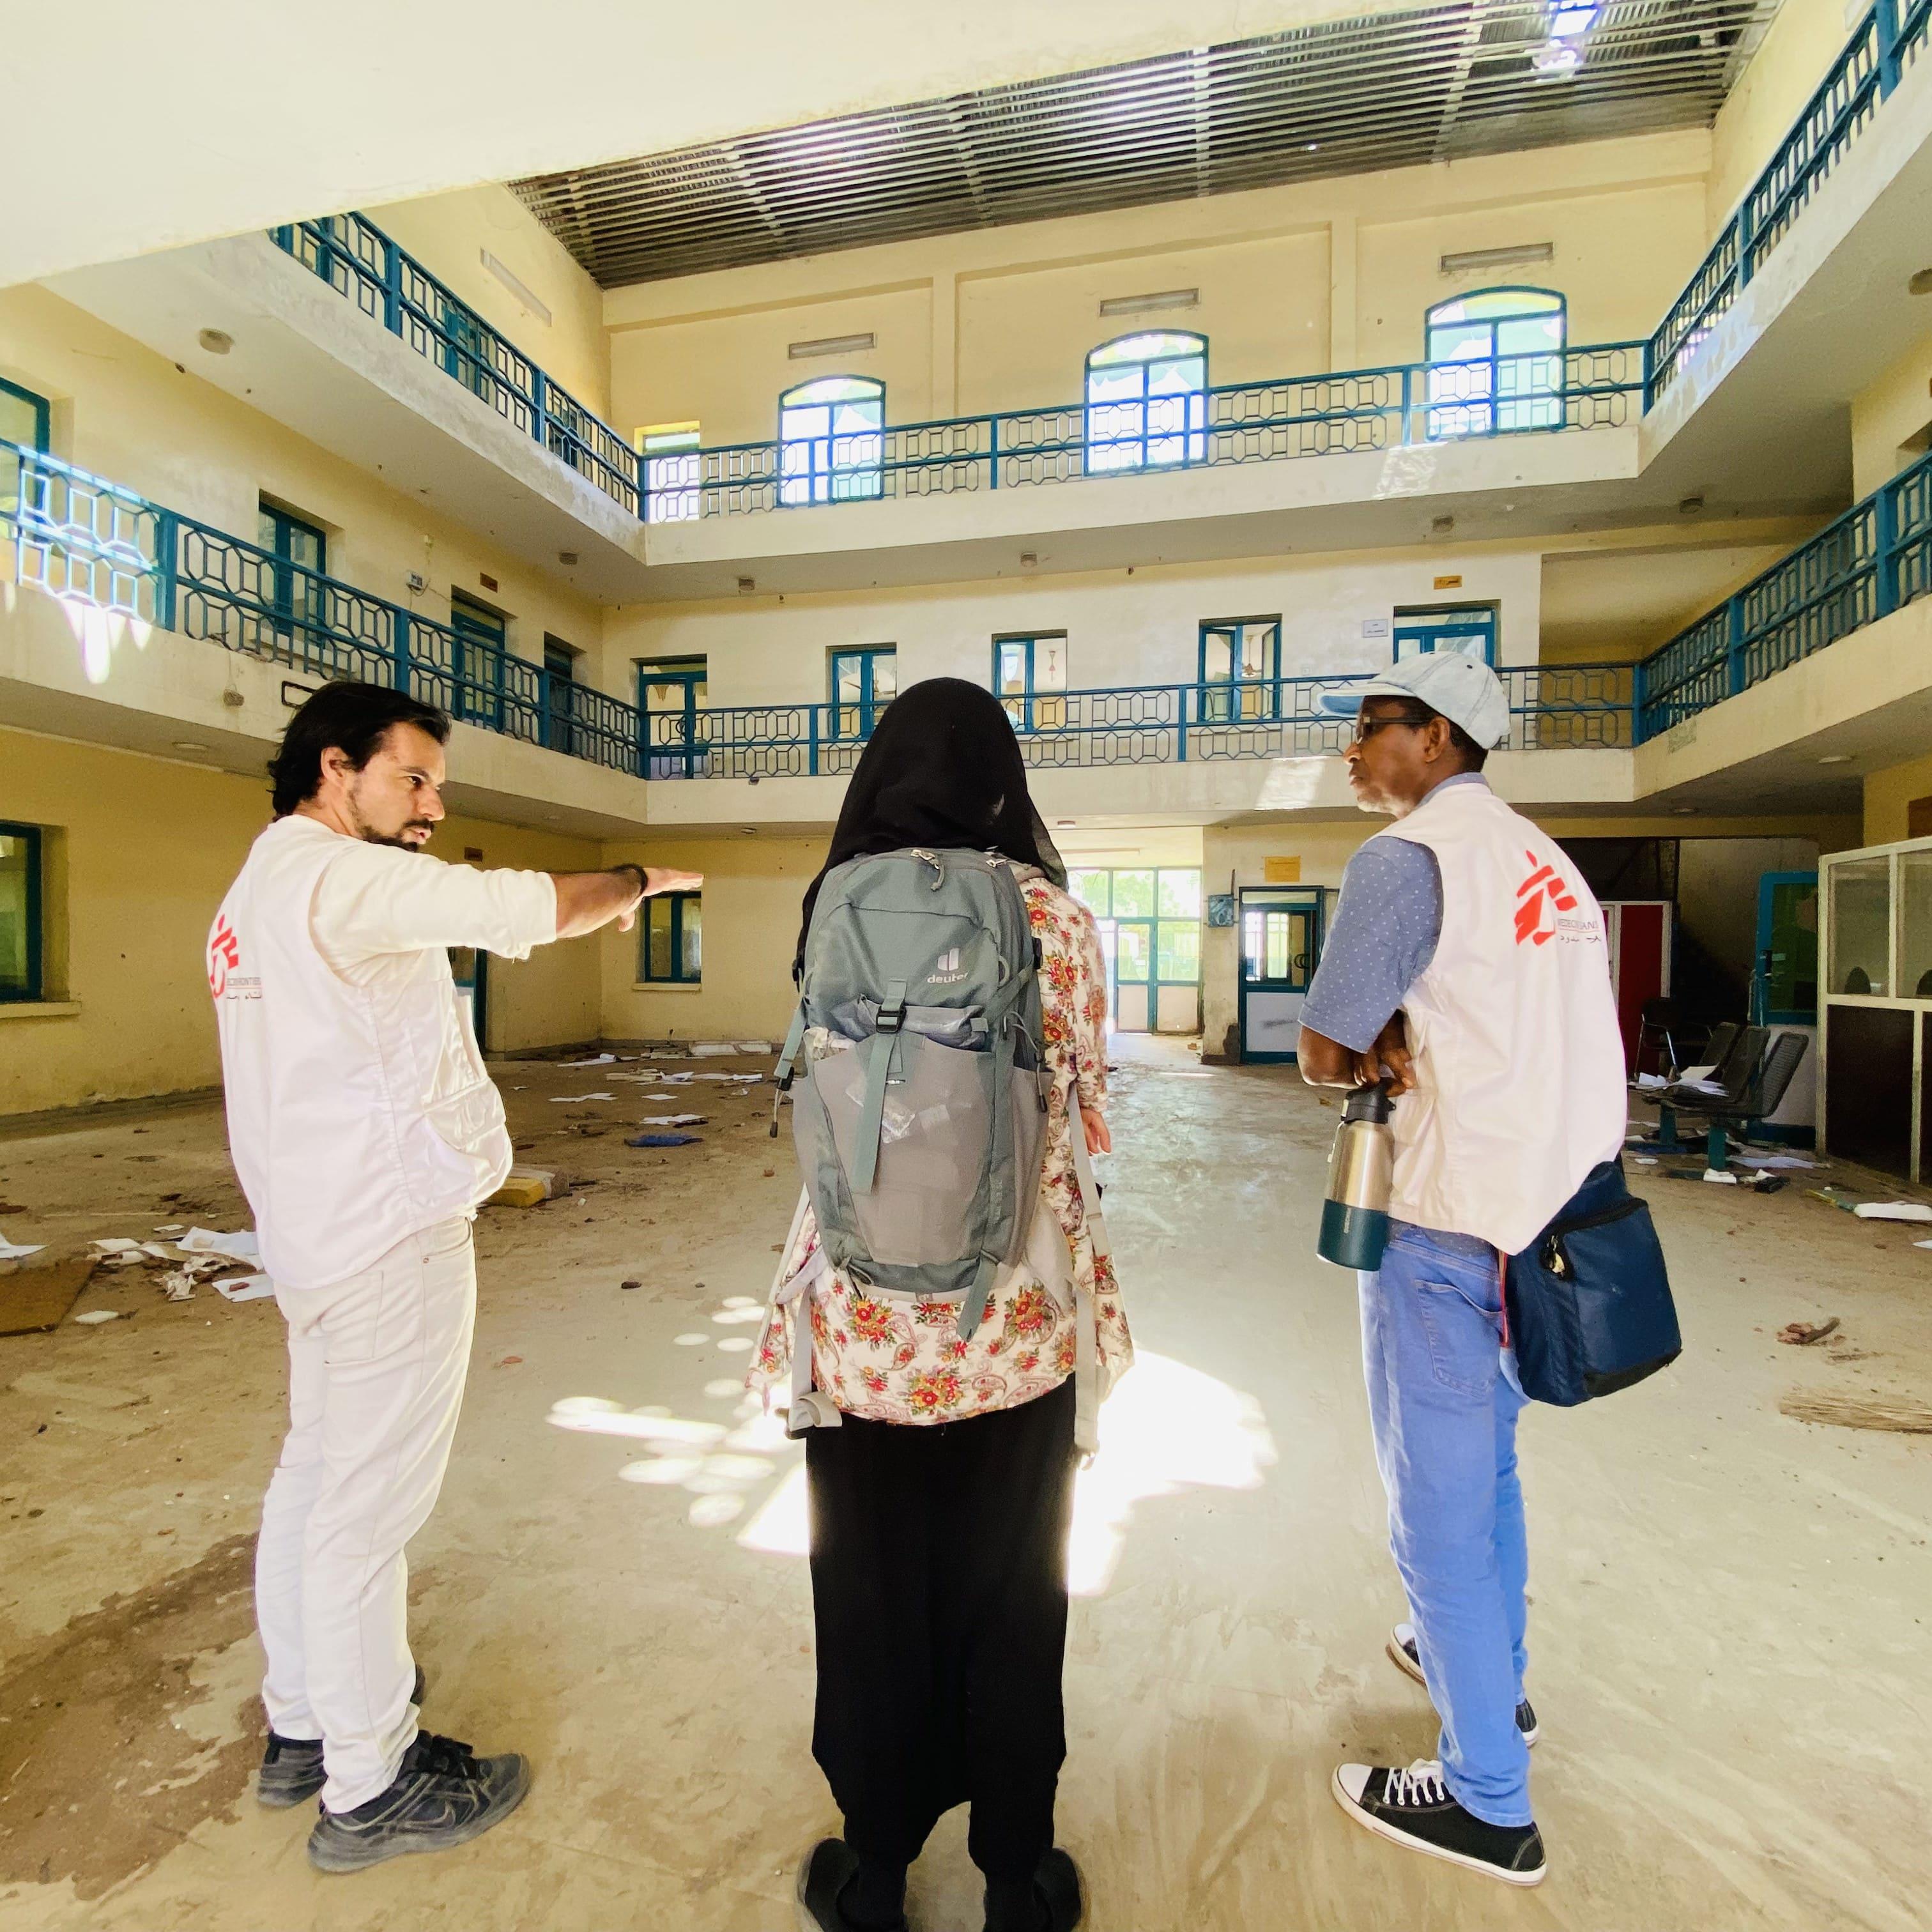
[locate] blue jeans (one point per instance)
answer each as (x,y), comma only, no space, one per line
(1443,1398)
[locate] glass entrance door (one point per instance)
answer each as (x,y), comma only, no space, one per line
(1281,941)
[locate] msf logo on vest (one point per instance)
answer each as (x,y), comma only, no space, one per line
(945,971)
(1539,901)
(224,956)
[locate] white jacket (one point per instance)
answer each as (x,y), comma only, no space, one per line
(1518,1058)
(358,1110)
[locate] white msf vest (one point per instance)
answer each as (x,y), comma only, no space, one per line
(1518,1059)
(357,1115)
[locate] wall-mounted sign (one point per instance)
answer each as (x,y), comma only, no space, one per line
(1220,908)
(1282,871)
(1375,627)
(1448,583)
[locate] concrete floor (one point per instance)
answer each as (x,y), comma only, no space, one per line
(1729,1628)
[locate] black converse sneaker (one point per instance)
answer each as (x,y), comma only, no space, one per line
(1403,1653)
(292,1770)
(1413,1807)
(444,1795)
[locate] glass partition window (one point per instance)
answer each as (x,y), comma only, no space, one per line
(1030,679)
(20,912)
(831,440)
(1147,402)
(1470,628)
(863,683)
(25,419)
(1861,927)
(1241,665)
(1915,927)
(1496,363)
(672,942)
(1150,921)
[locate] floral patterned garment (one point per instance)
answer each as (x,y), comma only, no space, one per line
(889,1359)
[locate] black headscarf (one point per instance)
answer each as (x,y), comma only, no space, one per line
(943,770)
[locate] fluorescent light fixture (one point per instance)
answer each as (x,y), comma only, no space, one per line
(1479,259)
(832,345)
(519,288)
(1569,23)
(1146,305)
(1836,758)
(196,744)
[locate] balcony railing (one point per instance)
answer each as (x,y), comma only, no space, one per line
(1875,558)
(1295,416)
(82,537)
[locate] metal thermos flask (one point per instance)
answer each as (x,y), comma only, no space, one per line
(1354,1217)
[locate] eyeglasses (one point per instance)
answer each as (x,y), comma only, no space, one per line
(1365,728)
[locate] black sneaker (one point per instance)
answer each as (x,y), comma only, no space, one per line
(1413,1807)
(1060,1895)
(444,1795)
(292,1770)
(824,1873)
(1403,1652)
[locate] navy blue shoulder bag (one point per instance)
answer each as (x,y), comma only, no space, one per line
(1588,1301)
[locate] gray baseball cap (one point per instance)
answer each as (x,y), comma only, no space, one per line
(1464,691)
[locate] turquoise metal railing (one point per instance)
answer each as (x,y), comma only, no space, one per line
(389,285)
(81,537)
(1867,563)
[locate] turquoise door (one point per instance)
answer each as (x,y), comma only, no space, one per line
(1281,941)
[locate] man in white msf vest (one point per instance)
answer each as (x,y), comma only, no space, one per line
(365,1131)
(1467,964)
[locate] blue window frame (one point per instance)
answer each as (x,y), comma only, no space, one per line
(832,440)
(26,419)
(1030,679)
(670,941)
(1147,402)
(466,352)
(1496,363)
(671,694)
(477,673)
(20,914)
(1470,628)
(1240,670)
(296,598)
(559,720)
(863,683)
(1149,919)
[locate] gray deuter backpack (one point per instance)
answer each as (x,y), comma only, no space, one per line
(920,1111)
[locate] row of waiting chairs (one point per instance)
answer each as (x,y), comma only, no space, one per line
(1751,1071)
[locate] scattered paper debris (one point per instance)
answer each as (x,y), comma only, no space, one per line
(595,1059)
(173,1228)
(1651,1083)
(1724,1179)
(674,1079)
(241,1246)
(1802,1334)
(736,1079)
(1893,1210)
(95,1316)
(1776,1160)
(13,1251)
(118,1244)
(571,1099)
(709,1049)
(179,1284)
(1693,1076)
(244,1288)
(672,1121)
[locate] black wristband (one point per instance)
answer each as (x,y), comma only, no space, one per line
(638,872)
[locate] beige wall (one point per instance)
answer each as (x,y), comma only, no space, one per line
(1889,796)
(142,849)
(752,890)
(1892,420)
(1804,39)
(1326,275)
(448,233)
(125,413)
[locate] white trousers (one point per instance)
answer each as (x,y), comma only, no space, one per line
(376,1366)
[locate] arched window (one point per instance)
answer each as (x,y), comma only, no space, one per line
(1147,404)
(1496,363)
(831,439)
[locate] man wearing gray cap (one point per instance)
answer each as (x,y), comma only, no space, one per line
(1467,966)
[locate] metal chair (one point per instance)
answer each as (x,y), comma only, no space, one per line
(1763,1094)
(1736,1051)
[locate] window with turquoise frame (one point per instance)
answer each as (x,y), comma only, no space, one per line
(1030,679)
(466,352)
(477,671)
(1150,922)
(1240,670)
(1470,628)
(1147,402)
(671,694)
(832,440)
(20,914)
(293,591)
(670,944)
(27,420)
(863,683)
(1496,363)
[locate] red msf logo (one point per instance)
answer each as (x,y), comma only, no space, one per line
(1538,900)
(224,954)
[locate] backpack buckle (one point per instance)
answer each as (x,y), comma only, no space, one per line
(891,1019)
